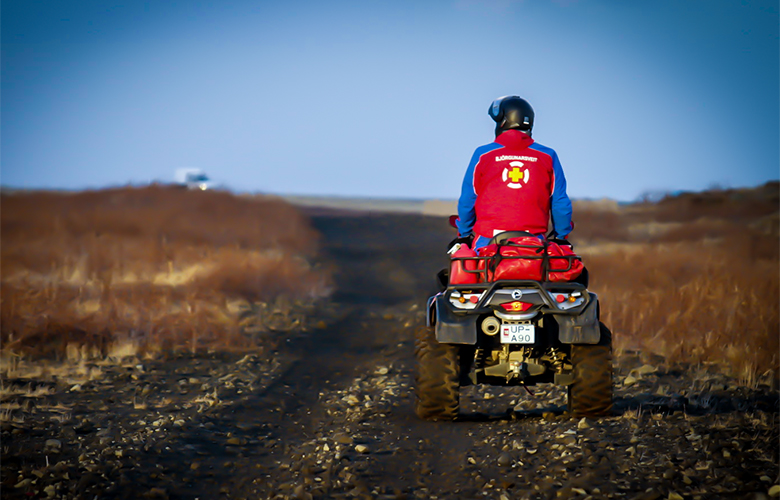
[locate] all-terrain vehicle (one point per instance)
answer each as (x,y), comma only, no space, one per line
(486,326)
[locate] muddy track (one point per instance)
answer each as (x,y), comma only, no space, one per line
(328,413)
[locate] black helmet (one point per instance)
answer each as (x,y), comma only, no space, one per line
(512,112)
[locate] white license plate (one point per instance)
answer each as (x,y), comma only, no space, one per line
(518,334)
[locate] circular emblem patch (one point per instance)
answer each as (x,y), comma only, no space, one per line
(514,175)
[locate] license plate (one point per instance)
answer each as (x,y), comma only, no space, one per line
(518,334)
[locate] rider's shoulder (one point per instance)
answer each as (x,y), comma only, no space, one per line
(486,148)
(543,149)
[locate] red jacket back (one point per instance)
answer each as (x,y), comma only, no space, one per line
(514,184)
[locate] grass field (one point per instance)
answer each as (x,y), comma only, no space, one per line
(694,277)
(150,269)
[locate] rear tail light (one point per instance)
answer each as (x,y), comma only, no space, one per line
(467,299)
(516,306)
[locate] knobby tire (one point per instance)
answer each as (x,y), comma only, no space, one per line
(437,387)
(590,394)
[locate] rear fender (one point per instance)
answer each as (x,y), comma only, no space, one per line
(430,312)
(451,329)
(582,328)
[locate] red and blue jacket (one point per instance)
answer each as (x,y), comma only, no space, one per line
(514,184)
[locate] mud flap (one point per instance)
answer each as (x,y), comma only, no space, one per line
(452,329)
(583,328)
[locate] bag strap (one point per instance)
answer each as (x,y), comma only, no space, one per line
(502,238)
(496,259)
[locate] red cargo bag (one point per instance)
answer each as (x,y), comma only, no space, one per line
(566,268)
(463,260)
(529,267)
(529,251)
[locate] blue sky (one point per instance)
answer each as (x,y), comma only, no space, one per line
(387,98)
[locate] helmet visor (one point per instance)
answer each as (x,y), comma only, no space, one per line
(495,108)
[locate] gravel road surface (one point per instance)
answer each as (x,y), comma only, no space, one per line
(327,413)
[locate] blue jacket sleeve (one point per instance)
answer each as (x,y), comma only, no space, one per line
(467,214)
(560,204)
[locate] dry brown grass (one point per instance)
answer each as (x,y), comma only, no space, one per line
(734,205)
(701,287)
(592,224)
(158,268)
(122,271)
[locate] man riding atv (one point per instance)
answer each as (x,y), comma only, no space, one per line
(513,183)
(514,308)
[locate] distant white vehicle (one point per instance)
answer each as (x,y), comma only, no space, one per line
(192,178)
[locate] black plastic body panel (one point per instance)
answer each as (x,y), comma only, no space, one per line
(579,325)
(452,329)
(582,328)
(484,305)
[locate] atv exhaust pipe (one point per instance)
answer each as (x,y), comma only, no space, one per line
(490,325)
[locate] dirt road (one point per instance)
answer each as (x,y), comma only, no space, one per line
(328,413)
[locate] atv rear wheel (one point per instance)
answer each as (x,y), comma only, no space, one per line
(590,394)
(437,387)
